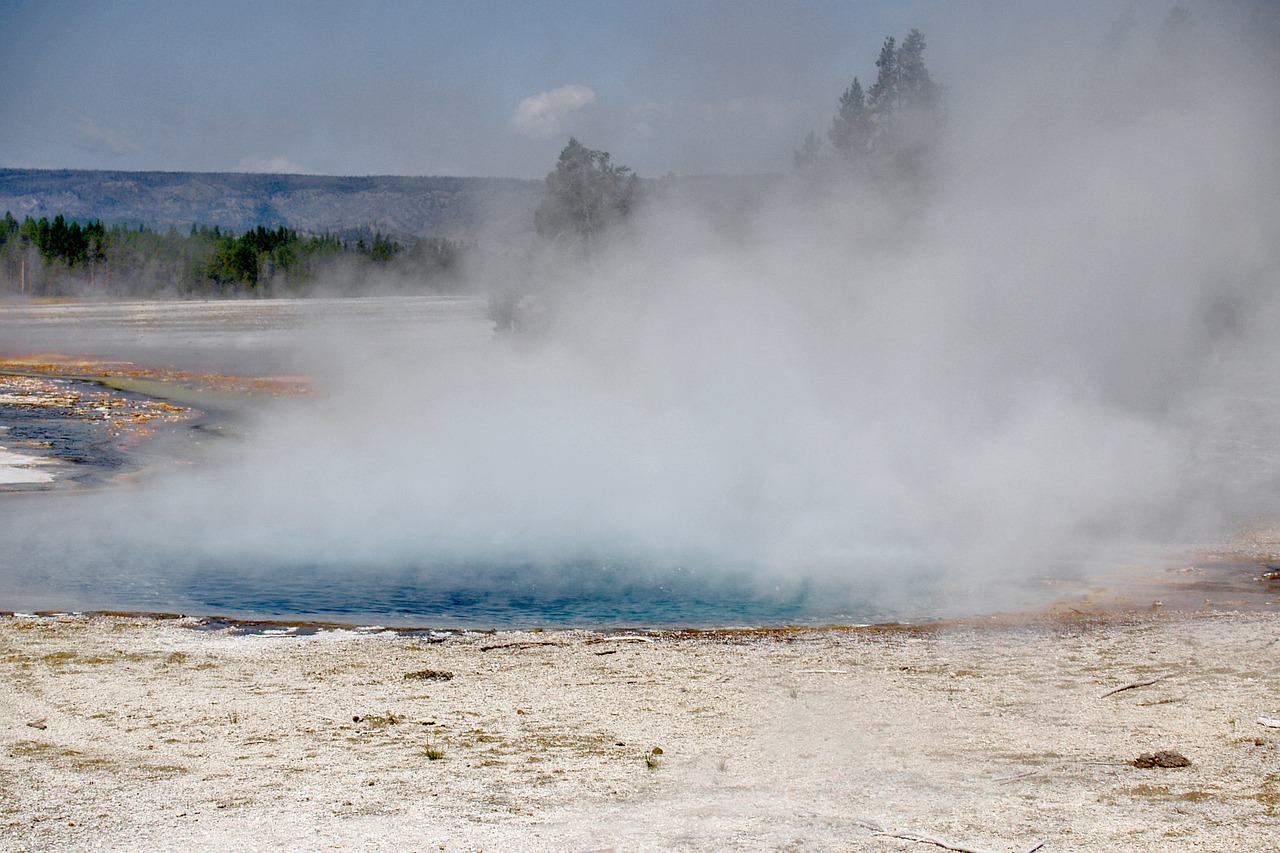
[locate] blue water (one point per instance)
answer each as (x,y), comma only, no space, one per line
(460,596)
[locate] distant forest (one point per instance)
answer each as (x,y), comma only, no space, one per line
(68,258)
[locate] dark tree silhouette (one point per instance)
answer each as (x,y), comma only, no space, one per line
(888,127)
(585,194)
(852,128)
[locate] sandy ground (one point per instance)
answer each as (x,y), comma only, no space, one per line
(125,733)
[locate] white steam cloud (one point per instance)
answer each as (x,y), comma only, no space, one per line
(1037,355)
(543,115)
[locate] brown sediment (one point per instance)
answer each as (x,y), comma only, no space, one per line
(125,417)
(128,403)
(85,368)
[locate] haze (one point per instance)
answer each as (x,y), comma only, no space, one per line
(1050,354)
(492,87)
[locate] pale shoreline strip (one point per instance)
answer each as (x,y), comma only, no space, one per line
(21,469)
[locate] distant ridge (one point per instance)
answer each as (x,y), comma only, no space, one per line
(472,208)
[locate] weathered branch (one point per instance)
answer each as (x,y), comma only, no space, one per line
(522,645)
(937,842)
(947,845)
(1133,684)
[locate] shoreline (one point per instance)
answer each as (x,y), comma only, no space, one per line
(1242,577)
(22,469)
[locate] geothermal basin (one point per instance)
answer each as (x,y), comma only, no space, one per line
(205,458)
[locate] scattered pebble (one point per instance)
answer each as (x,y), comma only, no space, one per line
(1162,758)
(430,675)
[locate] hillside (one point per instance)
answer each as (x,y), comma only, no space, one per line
(403,206)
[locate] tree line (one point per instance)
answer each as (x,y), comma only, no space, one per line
(60,257)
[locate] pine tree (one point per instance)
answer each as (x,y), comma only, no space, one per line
(585,194)
(916,89)
(852,127)
(891,124)
(882,98)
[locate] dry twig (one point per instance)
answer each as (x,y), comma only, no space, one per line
(937,842)
(1133,684)
(522,645)
(947,845)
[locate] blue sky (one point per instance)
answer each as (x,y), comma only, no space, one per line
(441,88)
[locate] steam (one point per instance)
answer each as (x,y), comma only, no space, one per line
(1026,362)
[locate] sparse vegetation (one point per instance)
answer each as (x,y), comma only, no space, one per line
(379,721)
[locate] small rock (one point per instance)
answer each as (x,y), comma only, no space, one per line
(1163,758)
(430,675)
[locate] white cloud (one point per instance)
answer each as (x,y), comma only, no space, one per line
(112,139)
(272,165)
(543,114)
